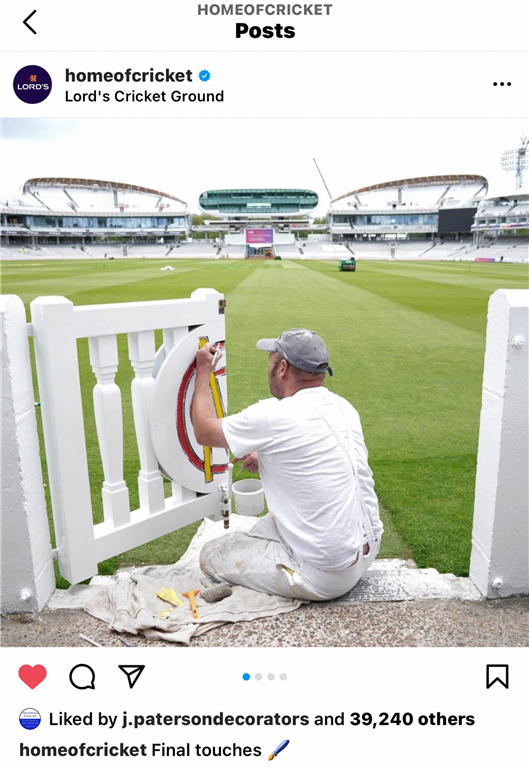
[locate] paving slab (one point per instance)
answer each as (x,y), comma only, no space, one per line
(394,605)
(395,580)
(408,623)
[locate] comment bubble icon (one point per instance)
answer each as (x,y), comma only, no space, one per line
(82,676)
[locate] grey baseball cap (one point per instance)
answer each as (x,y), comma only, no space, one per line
(300,347)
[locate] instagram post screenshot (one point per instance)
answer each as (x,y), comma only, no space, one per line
(264,331)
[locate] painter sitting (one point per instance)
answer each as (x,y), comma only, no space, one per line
(323,529)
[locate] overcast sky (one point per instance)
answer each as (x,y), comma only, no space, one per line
(185,157)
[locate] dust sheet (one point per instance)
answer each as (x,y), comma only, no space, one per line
(128,601)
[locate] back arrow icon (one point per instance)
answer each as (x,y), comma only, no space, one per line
(26,21)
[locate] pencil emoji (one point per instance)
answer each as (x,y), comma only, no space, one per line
(279,749)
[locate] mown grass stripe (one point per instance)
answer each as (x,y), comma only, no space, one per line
(415,380)
(460,279)
(460,305)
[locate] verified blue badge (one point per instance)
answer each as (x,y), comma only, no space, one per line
(32,84)
(29,719)
(204,75)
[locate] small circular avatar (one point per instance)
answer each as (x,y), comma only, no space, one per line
(30,719)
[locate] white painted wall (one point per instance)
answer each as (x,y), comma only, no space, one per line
(284,238)
(27,566)
(235,238)
(499,564)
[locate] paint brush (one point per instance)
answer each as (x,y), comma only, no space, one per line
(215,357)
(89,640)
(279,749)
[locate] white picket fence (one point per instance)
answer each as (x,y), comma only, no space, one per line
(56,325)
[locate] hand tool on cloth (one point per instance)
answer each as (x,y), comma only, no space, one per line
(190,594)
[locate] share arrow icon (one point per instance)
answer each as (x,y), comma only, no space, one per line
(133,672)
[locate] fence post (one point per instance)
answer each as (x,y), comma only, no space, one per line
(63,425)
(499,564)
(28,578)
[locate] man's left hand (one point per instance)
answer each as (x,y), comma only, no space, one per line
(249,462)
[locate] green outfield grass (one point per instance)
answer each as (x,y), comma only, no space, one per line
(407,344)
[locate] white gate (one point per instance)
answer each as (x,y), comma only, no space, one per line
(200,484)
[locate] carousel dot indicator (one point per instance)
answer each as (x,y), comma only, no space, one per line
(246,676)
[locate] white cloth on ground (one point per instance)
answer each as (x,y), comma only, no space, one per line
(259,559)
(130,603)
(307,477)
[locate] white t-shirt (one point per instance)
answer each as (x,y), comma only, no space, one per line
(306,474)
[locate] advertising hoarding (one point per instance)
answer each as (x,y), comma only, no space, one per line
(259,236)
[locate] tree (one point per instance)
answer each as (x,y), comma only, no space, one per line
(198,220)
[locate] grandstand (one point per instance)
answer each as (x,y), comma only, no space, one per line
(501,227)
(260,223)
(427,218)
(507,212)
(428,207)
(139,250)
(508,248)
(58,213)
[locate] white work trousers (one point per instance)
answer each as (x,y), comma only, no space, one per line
(259,560)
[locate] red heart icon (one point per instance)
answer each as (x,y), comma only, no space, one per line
(32,676)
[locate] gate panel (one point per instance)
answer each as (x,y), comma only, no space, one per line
(57,325)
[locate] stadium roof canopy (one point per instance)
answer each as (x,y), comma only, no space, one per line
(419,181)
(497,193)
(94,184)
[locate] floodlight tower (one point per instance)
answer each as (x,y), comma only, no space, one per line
(516,160)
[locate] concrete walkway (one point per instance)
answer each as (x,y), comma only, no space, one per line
(395,604)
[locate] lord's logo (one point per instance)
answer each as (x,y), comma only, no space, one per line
(32,84)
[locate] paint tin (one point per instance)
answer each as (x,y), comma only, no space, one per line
(249,497)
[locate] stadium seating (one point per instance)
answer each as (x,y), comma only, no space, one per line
(234,251)
(324,249)
(287,251)
(512,249)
